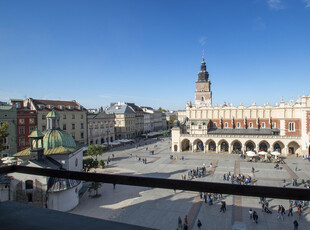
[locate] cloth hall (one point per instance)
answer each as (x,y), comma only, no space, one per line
(204,128)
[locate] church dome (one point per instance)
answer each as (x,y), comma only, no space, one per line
(57,138)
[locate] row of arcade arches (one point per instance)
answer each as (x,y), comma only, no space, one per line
(223,146)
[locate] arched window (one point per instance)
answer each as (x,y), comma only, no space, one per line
(202,98)
(29,184)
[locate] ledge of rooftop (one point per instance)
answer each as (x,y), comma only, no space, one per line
(17,216)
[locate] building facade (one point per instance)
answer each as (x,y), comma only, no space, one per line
(139,118)
(125,120)
(147,122)
(73,116)
(8,115)
(101,128)
(225,129)
(26,123)
(156,118)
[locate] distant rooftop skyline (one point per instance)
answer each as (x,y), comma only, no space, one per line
(149,52)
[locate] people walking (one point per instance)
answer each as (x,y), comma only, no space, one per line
(205,197)
(255,217)
(299,211)
(282,212)
(223,207)
(199,224)
(180,222)
(290,211)
(253,170)
(295,223)
(251,213)
(185,219)
(279,215)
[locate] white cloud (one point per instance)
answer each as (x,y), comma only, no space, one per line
(203,41)
(276,4)
(307,2)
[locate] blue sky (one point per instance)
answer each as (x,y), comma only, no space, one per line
(149,52)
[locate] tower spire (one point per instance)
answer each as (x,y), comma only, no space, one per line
(203,55)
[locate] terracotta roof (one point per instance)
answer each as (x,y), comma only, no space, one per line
(57,105)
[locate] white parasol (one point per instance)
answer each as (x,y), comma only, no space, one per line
(276,154)
(263,153)
(251,154)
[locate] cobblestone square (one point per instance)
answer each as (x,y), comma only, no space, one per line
(160,208)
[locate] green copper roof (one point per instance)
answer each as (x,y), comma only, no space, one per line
(58,138)
(36,133)
(52,114)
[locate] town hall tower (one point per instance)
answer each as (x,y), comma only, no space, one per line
(203,94)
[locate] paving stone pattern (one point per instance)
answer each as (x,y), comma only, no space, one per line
(160,208)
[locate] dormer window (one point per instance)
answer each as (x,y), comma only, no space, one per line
(226,124)
(238,125)
(50,106)
(251,125)
(41,106)
(70,107)
(62,107)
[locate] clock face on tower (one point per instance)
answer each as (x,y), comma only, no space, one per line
(202,86)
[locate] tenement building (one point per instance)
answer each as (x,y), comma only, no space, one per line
(100,127)
(125,120)
(226,129)
(8,116)
(73,116)
(26,123)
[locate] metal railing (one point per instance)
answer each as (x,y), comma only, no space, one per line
(198,186)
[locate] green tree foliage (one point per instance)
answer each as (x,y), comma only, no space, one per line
(162,110)
(3,135)
(165,133)
(95,150)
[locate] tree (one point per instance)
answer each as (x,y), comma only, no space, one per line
(162,110)
(3,135)
(94,186)
(165,133)
(94,151)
